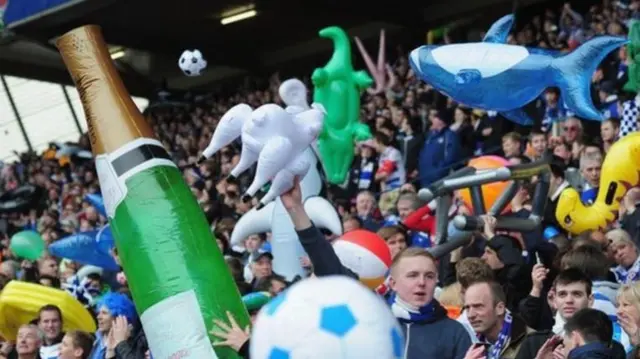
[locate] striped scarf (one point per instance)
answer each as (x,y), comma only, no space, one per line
(406,313)
(503,338)
(626,276)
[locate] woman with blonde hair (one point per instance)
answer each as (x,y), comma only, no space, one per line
(625,254)
(628,313)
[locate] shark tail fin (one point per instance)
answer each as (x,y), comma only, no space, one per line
(573,72)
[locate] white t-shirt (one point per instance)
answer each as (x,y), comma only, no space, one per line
(50,352)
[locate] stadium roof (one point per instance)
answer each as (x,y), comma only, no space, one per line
(283,34)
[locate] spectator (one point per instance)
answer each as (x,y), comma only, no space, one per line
(50,323)
(512,144)
(609,132)
(501,330)
(391,173)
(441,150)
(588,335)
(590,167)
(76,345)
(29,340)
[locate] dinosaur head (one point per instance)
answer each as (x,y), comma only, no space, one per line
(341,58)
(577,218)
(569,208)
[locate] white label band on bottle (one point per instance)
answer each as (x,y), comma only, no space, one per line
(116,167)
(175,328)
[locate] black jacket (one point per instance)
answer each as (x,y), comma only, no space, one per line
(533,342)
(133,348)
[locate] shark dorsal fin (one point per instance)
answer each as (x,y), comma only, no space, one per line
(499,31)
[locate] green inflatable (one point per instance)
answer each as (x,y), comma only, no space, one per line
(27,244)
(337,87)
(633,53)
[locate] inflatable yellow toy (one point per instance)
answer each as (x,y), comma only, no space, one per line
(20,302)
(620,172)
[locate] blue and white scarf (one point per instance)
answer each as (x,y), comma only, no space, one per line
(503,338)
(407,313)
(626,276)
(81,290)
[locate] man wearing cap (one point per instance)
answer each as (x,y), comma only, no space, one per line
(440,151)
(503,254)
(261,263)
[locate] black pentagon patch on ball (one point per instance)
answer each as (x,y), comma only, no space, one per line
(194,60)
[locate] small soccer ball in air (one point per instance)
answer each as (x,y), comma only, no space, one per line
(192,62)
(330,317)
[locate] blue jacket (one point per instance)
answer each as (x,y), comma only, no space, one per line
(440,150)
(439,338)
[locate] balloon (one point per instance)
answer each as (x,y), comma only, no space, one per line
(366,254)
(96,201)
(27,244)
(337,86)
(490,191)
(492,75)
(633,50)
(286,247)
(83,248)
(381,71)
(255,301)
(620,172)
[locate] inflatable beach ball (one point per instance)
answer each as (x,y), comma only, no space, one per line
(366,254)
(330,317)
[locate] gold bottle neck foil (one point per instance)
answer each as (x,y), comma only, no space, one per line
(112,117)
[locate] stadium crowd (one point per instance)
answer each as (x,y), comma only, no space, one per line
(539,294)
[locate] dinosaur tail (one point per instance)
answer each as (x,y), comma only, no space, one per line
(573,72)
(341,44)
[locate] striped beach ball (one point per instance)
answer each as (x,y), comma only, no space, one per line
(366,254)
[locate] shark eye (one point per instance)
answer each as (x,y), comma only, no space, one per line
(567,219)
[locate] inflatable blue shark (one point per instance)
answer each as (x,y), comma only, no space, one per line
(494,76)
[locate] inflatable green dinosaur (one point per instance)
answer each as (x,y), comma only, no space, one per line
(337,86)
(633,53)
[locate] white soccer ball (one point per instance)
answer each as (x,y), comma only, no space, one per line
(330,317)
(192,62)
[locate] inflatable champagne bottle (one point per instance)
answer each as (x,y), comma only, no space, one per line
(177,275)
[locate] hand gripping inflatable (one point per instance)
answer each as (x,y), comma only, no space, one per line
(337,86)
(21,301)
(176,273)
(494,76)
(620,172)
(285,246)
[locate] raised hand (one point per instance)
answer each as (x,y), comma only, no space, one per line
(234,337)
(538,275)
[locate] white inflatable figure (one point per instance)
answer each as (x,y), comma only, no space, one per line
(228,130)
(286,137)
(308,125)
(192,62)
(285,246)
